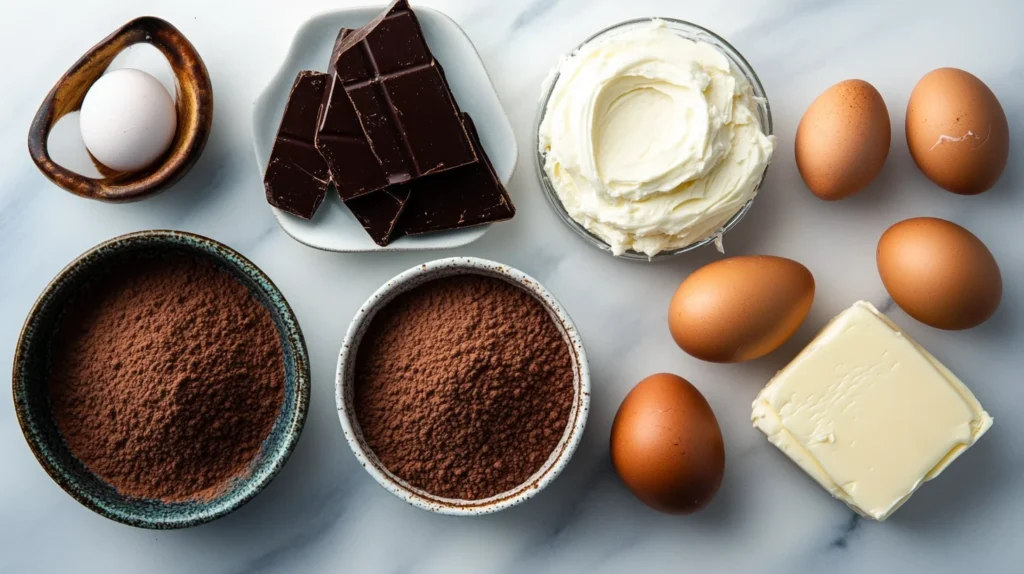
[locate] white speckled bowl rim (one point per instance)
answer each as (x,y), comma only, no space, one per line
(407,281)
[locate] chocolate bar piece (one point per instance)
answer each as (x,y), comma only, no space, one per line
(297,176)
(341,141)
(400,98)
(336,50)
(464,197)
(379,212)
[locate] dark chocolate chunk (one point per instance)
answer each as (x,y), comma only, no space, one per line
(297,176)
(336,50)
(379,212)
(464,197)
(341,141)
(400,98)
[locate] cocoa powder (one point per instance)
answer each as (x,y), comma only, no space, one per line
(166,377)
(463,386)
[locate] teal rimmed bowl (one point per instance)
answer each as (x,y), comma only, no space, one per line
(32,405)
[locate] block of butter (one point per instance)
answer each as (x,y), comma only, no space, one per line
(869,413)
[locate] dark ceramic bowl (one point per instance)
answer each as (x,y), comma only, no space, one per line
(31,399)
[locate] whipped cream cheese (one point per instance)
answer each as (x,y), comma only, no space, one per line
(652,141)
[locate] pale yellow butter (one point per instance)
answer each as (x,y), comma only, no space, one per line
(869,413)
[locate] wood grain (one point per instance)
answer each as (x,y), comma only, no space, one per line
(194,103)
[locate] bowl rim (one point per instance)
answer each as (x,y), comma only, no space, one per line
(293,337)
(690,31)
(410,279)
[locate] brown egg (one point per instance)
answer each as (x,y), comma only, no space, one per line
(740,308)
(957,131)
(666,445)
(939,273)
(843,139)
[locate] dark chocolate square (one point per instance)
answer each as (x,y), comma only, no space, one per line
(401,98)
(379,212)
(341,141)
(464,197)
(297,177)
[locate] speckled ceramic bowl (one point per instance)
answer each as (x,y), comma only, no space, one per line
(31,400)
(344,394)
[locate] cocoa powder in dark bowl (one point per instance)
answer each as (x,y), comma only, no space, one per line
(463,387)
(161,379)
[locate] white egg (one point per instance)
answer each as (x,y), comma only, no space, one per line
(128,120)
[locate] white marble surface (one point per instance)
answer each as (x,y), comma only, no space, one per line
(323,513)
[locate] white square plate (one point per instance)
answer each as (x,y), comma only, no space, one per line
(334,228)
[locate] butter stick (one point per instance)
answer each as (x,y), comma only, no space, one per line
(869,413)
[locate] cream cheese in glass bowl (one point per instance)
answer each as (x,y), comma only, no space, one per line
(653,137)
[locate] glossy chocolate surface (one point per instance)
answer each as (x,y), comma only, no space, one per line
(297,177)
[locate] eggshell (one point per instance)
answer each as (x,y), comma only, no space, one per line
(740,308)
(939,273)
(957,131)
(128,120)
(666,445)
(843,139)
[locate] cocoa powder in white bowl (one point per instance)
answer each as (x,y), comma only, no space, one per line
(472,392)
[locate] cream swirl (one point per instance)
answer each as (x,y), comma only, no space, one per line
(651,141)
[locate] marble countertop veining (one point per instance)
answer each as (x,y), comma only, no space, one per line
(323,513)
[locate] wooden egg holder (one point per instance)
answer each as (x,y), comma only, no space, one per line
(194,104)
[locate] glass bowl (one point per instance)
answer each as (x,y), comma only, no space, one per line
(689,31)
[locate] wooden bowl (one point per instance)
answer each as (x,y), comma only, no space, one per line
(194,105)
